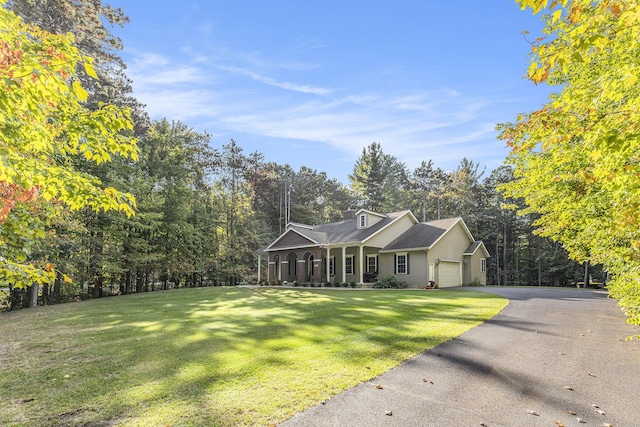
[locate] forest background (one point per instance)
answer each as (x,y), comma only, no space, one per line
(202,208)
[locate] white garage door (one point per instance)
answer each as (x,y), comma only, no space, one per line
(449,274)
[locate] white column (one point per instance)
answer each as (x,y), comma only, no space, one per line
(259,266)
(344,264)
(361,262)
(327,267)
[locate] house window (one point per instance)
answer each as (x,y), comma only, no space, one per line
(332,266)
(401,264)
(372,263)
(363,221)
(483,265)
(348,265)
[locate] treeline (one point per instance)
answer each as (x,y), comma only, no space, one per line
(203,209)
(202,212)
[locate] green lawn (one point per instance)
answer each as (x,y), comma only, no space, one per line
(215,356)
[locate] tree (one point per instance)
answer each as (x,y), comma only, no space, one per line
(379,180)
(421,184)
(465,195)
(316,199)
(429,186)
(176,162)
(44,125)
(576,159)
(90,22)
(237,228)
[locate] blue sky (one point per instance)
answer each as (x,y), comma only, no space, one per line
(313,82)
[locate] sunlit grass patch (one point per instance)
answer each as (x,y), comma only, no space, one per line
(215,356)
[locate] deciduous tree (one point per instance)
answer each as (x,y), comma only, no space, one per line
(44,124)
(576,159)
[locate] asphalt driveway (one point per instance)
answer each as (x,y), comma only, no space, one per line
(552,357)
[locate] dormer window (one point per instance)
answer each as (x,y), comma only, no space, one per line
(363,221)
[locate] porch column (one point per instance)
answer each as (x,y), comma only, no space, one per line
(270,265)
(259,266)
(317,270)
(327,267)
(361,262)
(344,264)
(280,269)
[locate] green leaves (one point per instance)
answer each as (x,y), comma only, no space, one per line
(576,158)
(44,125)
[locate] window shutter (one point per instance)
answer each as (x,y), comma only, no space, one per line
(395,264)
(407,263)
(377,260)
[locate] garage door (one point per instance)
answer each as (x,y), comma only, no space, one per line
(449,274)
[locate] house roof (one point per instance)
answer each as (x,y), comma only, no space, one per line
(421,236)
(341,232)
(474,248)
(425,235)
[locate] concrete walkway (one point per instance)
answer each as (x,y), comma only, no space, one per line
(549,354)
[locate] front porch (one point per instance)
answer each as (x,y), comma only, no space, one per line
(324,264)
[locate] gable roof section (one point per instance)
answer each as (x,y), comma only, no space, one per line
(336,233)
(425,235)
(360,211)
(478,244)
(293,238)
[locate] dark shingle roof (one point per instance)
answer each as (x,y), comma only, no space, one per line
(423,235)
(473,248)
(345,231)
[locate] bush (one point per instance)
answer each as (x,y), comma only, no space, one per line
(476,282)
(352,284)
(390,282)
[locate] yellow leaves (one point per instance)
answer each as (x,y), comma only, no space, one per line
(538,73)
(88,68)
(556,16)
(44,126)
(79,91)
(110,192)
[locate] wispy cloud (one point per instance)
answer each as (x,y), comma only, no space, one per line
(412,126)
(273,82)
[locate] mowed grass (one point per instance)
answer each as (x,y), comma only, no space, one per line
(215,356)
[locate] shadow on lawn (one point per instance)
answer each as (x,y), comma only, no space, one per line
(146,351)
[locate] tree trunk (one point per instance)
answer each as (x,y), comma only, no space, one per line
(45,293)
(139,281)
(586,275)
(57,288)
(504,253)
(539,264)
(127,282)
(32,296)
(498,255)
